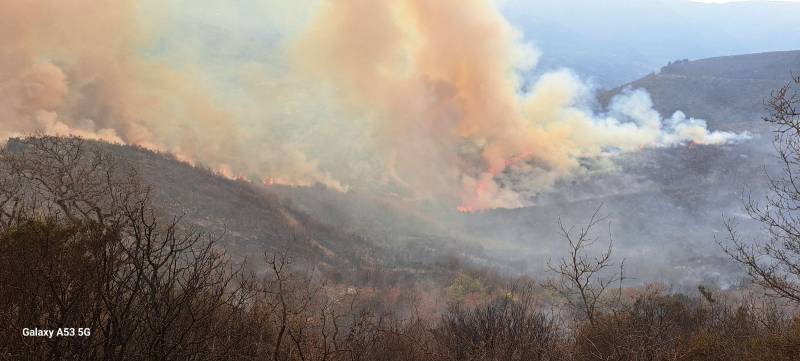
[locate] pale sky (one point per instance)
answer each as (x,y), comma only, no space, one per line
(731,1)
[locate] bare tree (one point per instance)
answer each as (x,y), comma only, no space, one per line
(303,318)
(582,280)
(66,178)
(81,246)
(774,263)
(508,328)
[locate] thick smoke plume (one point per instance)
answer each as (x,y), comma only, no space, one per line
(74,67)
(422,98)
(443,79)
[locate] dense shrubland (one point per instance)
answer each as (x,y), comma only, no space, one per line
(82,246)
(170,296)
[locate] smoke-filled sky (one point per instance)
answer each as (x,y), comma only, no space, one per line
(425,99)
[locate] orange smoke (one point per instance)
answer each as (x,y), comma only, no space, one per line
(77,67)
(442,81)
(442,76)
(401,96)
(109,69)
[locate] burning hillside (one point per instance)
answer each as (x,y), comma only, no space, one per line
(432,98)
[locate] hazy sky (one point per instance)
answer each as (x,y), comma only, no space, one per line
(731,1)
(616,41)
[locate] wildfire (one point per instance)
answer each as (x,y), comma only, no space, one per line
(227,172)
(486,186)
(280,181)
(465,209)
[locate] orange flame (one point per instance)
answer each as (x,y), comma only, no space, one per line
(486,183)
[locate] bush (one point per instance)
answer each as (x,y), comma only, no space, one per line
(508,328)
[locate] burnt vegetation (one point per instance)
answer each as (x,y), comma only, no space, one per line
(84,244)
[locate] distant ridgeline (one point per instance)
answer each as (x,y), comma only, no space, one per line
(723,90)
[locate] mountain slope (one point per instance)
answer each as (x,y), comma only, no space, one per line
(666,206)
(345,237)
(723,90)
(249,220)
